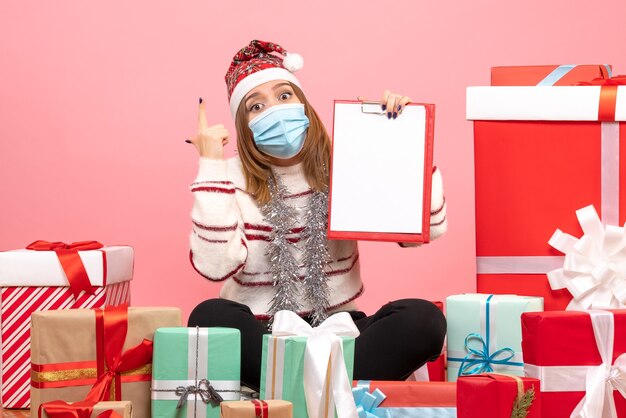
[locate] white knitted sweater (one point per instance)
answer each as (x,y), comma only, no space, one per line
(229,236)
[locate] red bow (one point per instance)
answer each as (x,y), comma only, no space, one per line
(608,95)
(62,409)
(71,262)
(111,329)
(618,80)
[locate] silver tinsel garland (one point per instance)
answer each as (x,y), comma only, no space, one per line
(283,265)
(316,256)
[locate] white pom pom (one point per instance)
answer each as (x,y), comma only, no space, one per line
(293,62)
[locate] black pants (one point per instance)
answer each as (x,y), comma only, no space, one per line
(394,342)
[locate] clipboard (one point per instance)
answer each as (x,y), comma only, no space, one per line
(380,173)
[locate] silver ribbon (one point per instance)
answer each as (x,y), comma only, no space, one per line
(203,388)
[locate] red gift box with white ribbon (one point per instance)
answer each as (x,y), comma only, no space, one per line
(541,153)
(580,359)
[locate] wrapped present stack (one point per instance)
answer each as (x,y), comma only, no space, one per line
(550,143)
(541,153)
(51,276)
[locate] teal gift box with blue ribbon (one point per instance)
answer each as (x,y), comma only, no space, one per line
(485,333)
(193,370)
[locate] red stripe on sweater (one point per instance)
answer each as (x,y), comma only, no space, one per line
(257,227)
(212,182)
(213,189)
(216,279)
(265,317)
(342,271)
(296,195)
(439,223)
(328,274)
(346,258)
(253,237)
(267,228)
(215,228)
(212,241)
(436,212)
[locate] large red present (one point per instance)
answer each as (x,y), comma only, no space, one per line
(547,75)
(391,399)
(36,280)
(494,395)
(579,359)
(541,153)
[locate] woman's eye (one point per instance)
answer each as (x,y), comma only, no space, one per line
(285,95)
(255,108)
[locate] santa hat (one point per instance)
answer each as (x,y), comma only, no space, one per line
(254,65)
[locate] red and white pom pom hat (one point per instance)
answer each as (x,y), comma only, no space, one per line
(254,65)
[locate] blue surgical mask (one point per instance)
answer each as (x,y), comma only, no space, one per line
(280,131)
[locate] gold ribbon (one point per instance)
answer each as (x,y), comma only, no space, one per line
(83,373)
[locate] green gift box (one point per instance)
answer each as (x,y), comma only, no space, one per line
(189,366)
(485,333)
(282,370)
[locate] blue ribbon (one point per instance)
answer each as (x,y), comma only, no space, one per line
(366,401)
(480,360)
(421,412)
(560,71)
(557,74)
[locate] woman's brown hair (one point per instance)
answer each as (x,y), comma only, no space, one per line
(256,165)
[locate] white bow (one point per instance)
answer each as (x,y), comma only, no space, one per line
(594,270)
(323,359)
(601,380)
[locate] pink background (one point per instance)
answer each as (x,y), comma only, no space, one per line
(96,99)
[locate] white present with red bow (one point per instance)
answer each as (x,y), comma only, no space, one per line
(50,276)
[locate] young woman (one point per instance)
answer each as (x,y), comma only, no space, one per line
(259,225)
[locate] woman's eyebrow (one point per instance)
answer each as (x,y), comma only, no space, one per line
(251,96)
(280,85)
(277,86)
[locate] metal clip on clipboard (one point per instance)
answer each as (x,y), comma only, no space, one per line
(374,108)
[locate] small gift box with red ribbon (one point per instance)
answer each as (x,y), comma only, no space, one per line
(494,395)
(542,152)
(393,399)
(94,355)
(49,276)
(580,359)
(61,409)
(257,409)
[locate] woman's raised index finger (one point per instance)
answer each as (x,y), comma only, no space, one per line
(202,123)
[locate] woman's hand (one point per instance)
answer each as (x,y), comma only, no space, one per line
(392,103)
(210,140)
